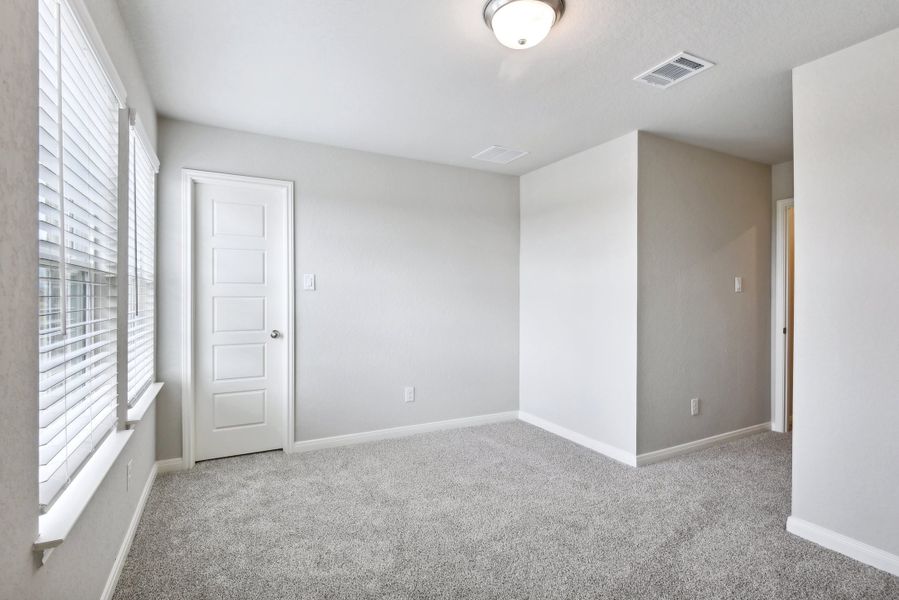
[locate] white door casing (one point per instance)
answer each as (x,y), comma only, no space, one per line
(239,333)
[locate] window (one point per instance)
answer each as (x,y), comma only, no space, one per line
(141,263)
(78,236)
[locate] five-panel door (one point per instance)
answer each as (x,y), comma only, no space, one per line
(240,332)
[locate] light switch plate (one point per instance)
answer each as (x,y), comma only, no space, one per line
(309,282)
(738,285)
(409,394)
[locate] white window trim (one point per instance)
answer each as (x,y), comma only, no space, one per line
(144,138)
(133,122)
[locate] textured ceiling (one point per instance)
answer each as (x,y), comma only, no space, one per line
(425,79)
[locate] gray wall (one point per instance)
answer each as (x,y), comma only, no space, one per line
(80,567)
(417,276)
(846,404)
(628,257)
(704,218)
(579,292)
(782,181)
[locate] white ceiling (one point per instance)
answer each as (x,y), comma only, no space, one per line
(426,79)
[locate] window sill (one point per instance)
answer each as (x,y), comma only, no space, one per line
(143,404)
(57,523)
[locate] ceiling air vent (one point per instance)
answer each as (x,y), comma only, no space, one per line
(498,155)
(674,70)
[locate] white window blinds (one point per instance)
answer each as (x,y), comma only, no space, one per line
(141,268)
(78,159)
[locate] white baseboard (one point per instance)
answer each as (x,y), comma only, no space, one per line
(875,557)
(119,563)
(398,432)
(666,453)
(169,465)
(612,452)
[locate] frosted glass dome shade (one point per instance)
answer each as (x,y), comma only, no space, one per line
(522,24)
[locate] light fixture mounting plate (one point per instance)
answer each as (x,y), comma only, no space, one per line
(493,7)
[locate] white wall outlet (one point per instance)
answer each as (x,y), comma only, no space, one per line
(738,285)
(694,406)
(309,282)
(409,394)
(128,474)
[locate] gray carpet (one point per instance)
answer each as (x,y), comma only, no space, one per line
(500,511)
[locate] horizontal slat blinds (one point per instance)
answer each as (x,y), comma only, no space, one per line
(77,200)
(141,267)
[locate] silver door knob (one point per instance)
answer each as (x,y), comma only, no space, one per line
(276,334)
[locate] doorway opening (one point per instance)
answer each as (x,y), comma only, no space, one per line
(784,279)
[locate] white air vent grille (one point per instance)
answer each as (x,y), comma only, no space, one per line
(674,70)
(498,155)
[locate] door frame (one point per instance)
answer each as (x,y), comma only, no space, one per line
(779,321)
(190,177)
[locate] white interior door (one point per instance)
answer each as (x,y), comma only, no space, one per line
(241,328)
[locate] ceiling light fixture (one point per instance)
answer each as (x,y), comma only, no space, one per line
(521,24)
